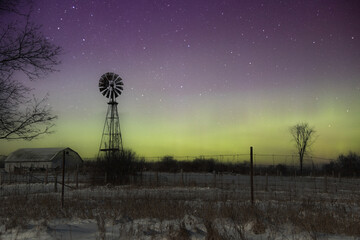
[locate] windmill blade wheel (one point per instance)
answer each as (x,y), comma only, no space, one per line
(111,85)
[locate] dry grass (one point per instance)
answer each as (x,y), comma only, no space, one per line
(223,216)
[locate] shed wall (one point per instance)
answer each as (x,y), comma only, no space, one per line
(72,160)
(10,167)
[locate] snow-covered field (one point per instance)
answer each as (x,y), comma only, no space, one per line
(198,206)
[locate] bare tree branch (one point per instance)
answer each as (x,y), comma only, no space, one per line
(27,51)
(35,120)
(303,135)
(23,48)
(9,6)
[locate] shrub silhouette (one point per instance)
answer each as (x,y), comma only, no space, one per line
(203,165)
(348,166)
(119,167)
(168,164)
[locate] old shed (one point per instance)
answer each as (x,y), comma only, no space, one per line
(41,158)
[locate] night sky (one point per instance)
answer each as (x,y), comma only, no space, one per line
(204,76)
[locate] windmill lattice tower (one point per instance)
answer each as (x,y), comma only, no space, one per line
(111,86)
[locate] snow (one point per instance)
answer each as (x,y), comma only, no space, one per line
(148,228)
(282,192)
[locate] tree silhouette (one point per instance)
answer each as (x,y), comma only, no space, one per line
(303,135)
(23,49)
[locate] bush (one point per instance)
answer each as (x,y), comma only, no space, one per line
(348,166)
(203,165)
(282,169)
(167,164)
(117,168)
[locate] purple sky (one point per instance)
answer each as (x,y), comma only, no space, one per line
(206,76)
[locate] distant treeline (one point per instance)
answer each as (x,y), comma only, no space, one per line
(345,165)
(169,164)
(129,164)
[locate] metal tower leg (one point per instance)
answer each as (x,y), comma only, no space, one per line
(111,140)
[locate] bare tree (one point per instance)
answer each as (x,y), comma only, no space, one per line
(23,49)
(303,135)
(9,6)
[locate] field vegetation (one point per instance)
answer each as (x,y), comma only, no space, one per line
(200,199)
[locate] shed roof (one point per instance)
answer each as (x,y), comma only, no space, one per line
(34,154)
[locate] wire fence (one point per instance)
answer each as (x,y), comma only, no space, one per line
(259,159)
(265,186)
(268,176)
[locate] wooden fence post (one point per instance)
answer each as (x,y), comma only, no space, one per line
(221,180)
(214,179)
(251,176)
(325,183)
(239,181)
(46,176)
(77,176)
(266,182)
(157,178)
(141,177)
(63,180)
(55,186)
(182,178)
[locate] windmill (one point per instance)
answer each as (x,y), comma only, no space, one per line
(111,86)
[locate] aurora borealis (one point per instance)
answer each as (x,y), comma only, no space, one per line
(204,76)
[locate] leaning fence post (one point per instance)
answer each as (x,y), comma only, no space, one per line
(251,176)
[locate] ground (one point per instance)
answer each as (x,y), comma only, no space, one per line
(284,208)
